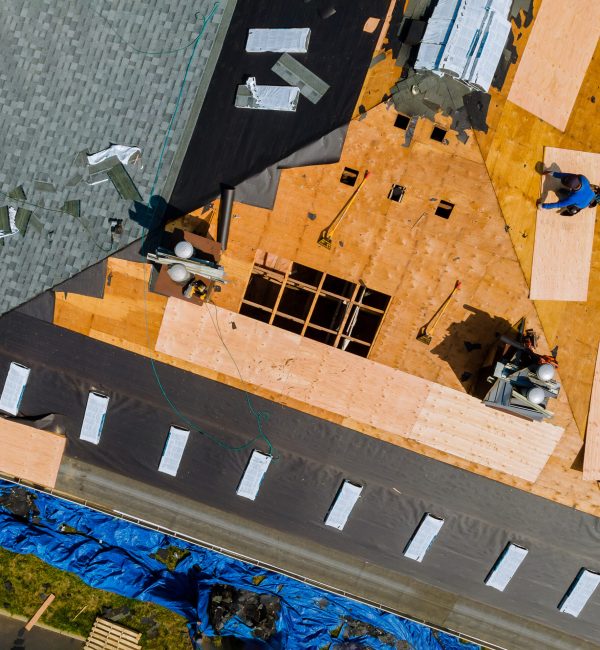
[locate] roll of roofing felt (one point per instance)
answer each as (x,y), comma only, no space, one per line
(224,221)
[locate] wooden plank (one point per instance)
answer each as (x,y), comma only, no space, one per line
(555,61)
(36,617)
(395,402)
(30,453)
(563,246)
(591,459)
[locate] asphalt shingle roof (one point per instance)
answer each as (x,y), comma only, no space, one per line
(71,81)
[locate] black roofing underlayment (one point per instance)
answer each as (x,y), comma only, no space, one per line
(231,144)
(481,515)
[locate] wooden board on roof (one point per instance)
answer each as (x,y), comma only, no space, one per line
(591,459)
(556,59)
(563,246)
(30,453)
(391,400)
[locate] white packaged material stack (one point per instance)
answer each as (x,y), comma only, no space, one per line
(580,592)
(93,419)
(423,538)
(173,451)
(253,475)
(465,39)
(14,387)
(342,506)
(278,40)
(506,566)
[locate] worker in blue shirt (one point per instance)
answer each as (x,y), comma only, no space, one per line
(577,194)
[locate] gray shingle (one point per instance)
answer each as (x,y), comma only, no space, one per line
(70,83)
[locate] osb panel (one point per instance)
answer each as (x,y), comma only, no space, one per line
(30,453)
(277,360)
(391,400)
(518,144)
(556,59)
(591,460)
(563,245)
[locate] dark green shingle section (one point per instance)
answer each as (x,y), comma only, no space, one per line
(73,207)
(123,183)
(22,220)
(4,220)
(17,193)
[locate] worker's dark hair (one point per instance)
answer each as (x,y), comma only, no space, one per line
(573,182)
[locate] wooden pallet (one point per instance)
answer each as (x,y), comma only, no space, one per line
(106,635)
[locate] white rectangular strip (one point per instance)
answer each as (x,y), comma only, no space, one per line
(173,451)
(253,474)
(580,592)
(423,537)
(93,420)
(278,40)
(506,566)
(14,387)
(342,506)
(268,98)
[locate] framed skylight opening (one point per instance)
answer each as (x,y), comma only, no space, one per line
(320,306)
(402,121)
(349,176)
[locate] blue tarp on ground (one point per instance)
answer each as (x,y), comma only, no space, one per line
(116,555)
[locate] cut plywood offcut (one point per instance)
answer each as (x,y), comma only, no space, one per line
(30,453)
(397,404)
(562,252)
(591,459)
(556,58)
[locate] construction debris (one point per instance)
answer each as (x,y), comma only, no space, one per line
(258,611)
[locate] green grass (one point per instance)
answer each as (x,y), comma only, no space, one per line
(25,581)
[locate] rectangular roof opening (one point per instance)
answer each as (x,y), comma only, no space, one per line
(423,537)
(343,504)
(579,592)
(173,450)
(14,387)
(506,566)
(255,471)
(93,419)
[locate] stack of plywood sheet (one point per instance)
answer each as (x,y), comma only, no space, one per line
(389,400)
(30,453)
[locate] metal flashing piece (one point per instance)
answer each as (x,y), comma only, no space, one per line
(255,471)
(343,504)
(579,592)
(93,419)
(423,537)
(173,450)
(267,98)
(14,387)
(292,71)
(506,566)
(278,40)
